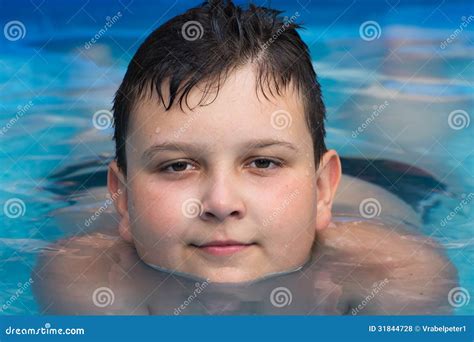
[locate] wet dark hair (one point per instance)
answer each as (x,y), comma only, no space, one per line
(205,44)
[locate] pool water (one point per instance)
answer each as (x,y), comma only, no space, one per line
(399,104)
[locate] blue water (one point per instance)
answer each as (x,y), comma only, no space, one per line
(53,85)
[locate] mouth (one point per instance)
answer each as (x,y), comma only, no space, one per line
(223,247)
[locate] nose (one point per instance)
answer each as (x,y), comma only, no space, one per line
(222,200)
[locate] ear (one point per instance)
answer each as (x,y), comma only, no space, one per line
(328,177)
(116,183)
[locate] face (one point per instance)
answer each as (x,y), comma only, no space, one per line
(228,191)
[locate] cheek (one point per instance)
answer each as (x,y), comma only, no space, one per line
(290,221)
(289,208)
(155,212)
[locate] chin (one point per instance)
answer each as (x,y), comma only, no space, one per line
(230,275)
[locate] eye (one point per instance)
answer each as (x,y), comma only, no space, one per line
(264,163)
(178,166)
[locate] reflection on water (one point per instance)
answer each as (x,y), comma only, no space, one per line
(295,293)
(101,274)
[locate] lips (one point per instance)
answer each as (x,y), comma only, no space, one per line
(223,247)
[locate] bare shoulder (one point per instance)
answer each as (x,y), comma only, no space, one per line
(353,191)
(388,242)
(409,273)
(84,275)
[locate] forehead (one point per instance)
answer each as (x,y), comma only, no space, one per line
(239,111)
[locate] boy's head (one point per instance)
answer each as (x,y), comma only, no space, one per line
(220,154)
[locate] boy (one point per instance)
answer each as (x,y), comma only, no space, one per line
(223,177)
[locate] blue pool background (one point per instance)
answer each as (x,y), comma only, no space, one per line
(57,85)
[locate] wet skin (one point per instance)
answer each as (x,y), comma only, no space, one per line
(401,274)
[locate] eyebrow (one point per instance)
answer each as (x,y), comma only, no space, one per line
(196,148)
